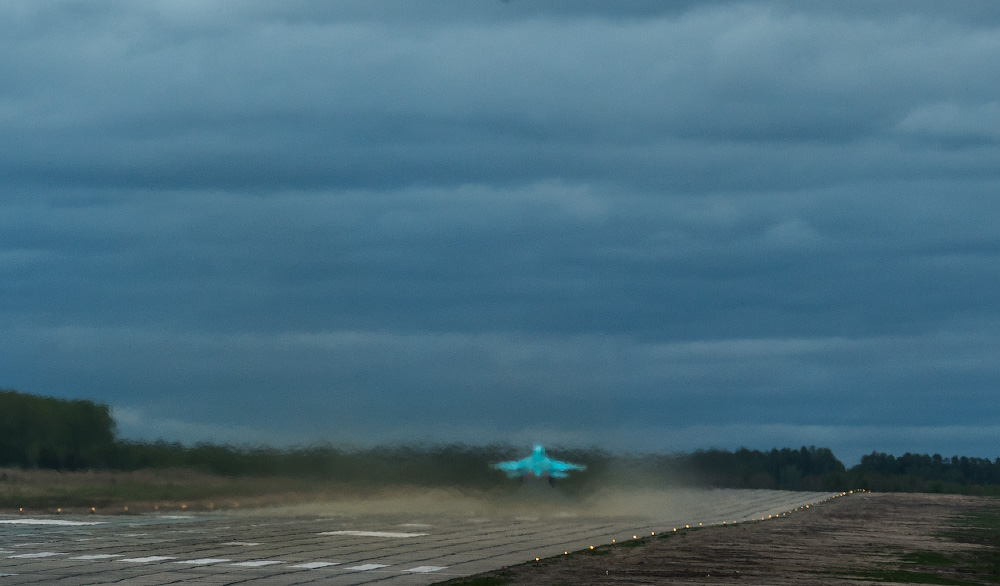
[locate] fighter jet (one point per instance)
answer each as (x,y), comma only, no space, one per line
(537,465)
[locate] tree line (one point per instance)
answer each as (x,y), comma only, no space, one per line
(44,432)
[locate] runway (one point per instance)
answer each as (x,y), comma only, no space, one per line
(393,541)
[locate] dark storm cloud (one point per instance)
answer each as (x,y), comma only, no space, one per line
(565,220)
(588,260)
(175,97)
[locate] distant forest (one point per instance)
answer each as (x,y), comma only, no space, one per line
(43,432)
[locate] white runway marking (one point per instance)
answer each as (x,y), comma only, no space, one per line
(2,575)
(374,533)
(425,569)
(366,567)
(97,556)
(41,554)
(257,564)
(203,561)
(47,522)
(240,543)
(147,559)
(314,565)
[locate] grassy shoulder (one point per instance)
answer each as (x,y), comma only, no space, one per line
(870,538)
(106,492)
(977,563)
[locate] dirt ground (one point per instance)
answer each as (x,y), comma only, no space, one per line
(860,539)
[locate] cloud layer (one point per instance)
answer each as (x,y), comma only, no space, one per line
(473,221)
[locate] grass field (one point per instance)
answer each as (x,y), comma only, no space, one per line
(145,490)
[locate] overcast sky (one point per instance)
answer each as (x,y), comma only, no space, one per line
(635,225)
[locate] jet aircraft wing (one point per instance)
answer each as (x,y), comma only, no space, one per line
(537,465)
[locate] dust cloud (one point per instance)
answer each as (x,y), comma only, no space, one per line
(533,500)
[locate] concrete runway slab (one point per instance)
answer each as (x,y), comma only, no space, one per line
(402,540)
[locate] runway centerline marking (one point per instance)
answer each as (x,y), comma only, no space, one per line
(374,533)
(147,559)
(257,563)
(366,567)
(41,554)
(97,556)
(425,569)
(61,522)
(204,561)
